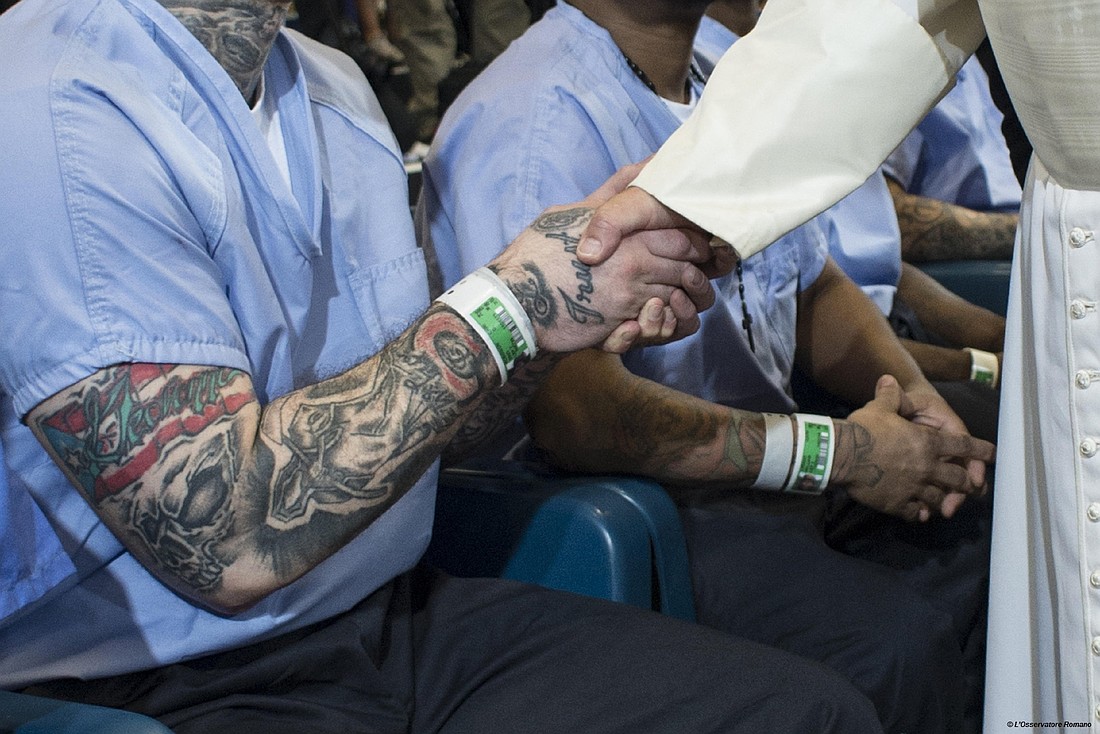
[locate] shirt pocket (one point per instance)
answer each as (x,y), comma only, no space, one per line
(390,295)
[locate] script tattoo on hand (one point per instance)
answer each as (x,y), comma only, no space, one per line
(560,227)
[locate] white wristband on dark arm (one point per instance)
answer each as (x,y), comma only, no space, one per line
(778,452)
(815,445)
(984,368)
(486,303)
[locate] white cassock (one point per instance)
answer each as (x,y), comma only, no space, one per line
(799,113)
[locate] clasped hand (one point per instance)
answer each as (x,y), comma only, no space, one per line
(650,289)
(912,456)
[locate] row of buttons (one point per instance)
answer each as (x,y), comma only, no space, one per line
(1079,309)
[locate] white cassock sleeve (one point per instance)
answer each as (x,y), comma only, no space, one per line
(803,109)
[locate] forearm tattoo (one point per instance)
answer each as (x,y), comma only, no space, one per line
(499,407)
(936,230)
(180,459)
(676,442)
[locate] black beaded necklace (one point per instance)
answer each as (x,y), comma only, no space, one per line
(697,75)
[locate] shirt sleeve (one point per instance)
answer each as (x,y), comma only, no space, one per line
(112,210)
(803,109)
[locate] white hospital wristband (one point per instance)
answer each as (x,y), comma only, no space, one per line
(984,368)
(813,459)
(778,452)
(486,303)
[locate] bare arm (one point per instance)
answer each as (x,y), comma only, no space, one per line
(954,320)
(226,500)
(936,230)
(845,344)
(593,415)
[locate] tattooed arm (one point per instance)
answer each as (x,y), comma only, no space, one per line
(226,500)
(936,230)
(593,415)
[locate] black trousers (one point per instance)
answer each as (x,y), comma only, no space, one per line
(897,608)
(430,653)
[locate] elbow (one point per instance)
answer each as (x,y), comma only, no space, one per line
(231,595)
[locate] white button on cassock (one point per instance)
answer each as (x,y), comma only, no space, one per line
(1079,309)
(1078,237)
(1093,511)
(1088,448)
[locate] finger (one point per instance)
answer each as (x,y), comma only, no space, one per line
(631,211)
(977,471)
(888,393)
(966,447)
(685,313)
(678,244)
(914,511)
(951,477)
(931,496)
(622,338)
(651,319)
(697,287)
(951,504)
(668,327)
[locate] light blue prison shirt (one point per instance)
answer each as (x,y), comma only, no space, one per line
(547,123)
(958,152)
(143,218)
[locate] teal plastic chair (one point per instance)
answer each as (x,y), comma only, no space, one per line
(611,537)
(23,714)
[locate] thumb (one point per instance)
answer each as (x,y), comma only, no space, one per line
(613,221)
(888,394)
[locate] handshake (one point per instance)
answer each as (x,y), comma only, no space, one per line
(616,270)
(620,270)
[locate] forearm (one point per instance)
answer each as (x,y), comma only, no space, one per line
(937,230)
(952,319)
(844,344)
(592,415)
(225,500)
(496,410)
(939,363)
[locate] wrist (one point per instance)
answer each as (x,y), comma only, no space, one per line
(489,306)
(985,369)
(798,453)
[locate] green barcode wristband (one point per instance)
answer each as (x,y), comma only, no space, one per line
(813,458)
(486,303)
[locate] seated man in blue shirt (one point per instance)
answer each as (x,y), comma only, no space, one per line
(595,85)
(224,392)
(959,153)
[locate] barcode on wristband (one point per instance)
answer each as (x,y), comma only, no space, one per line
(502,330)
(813,454)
